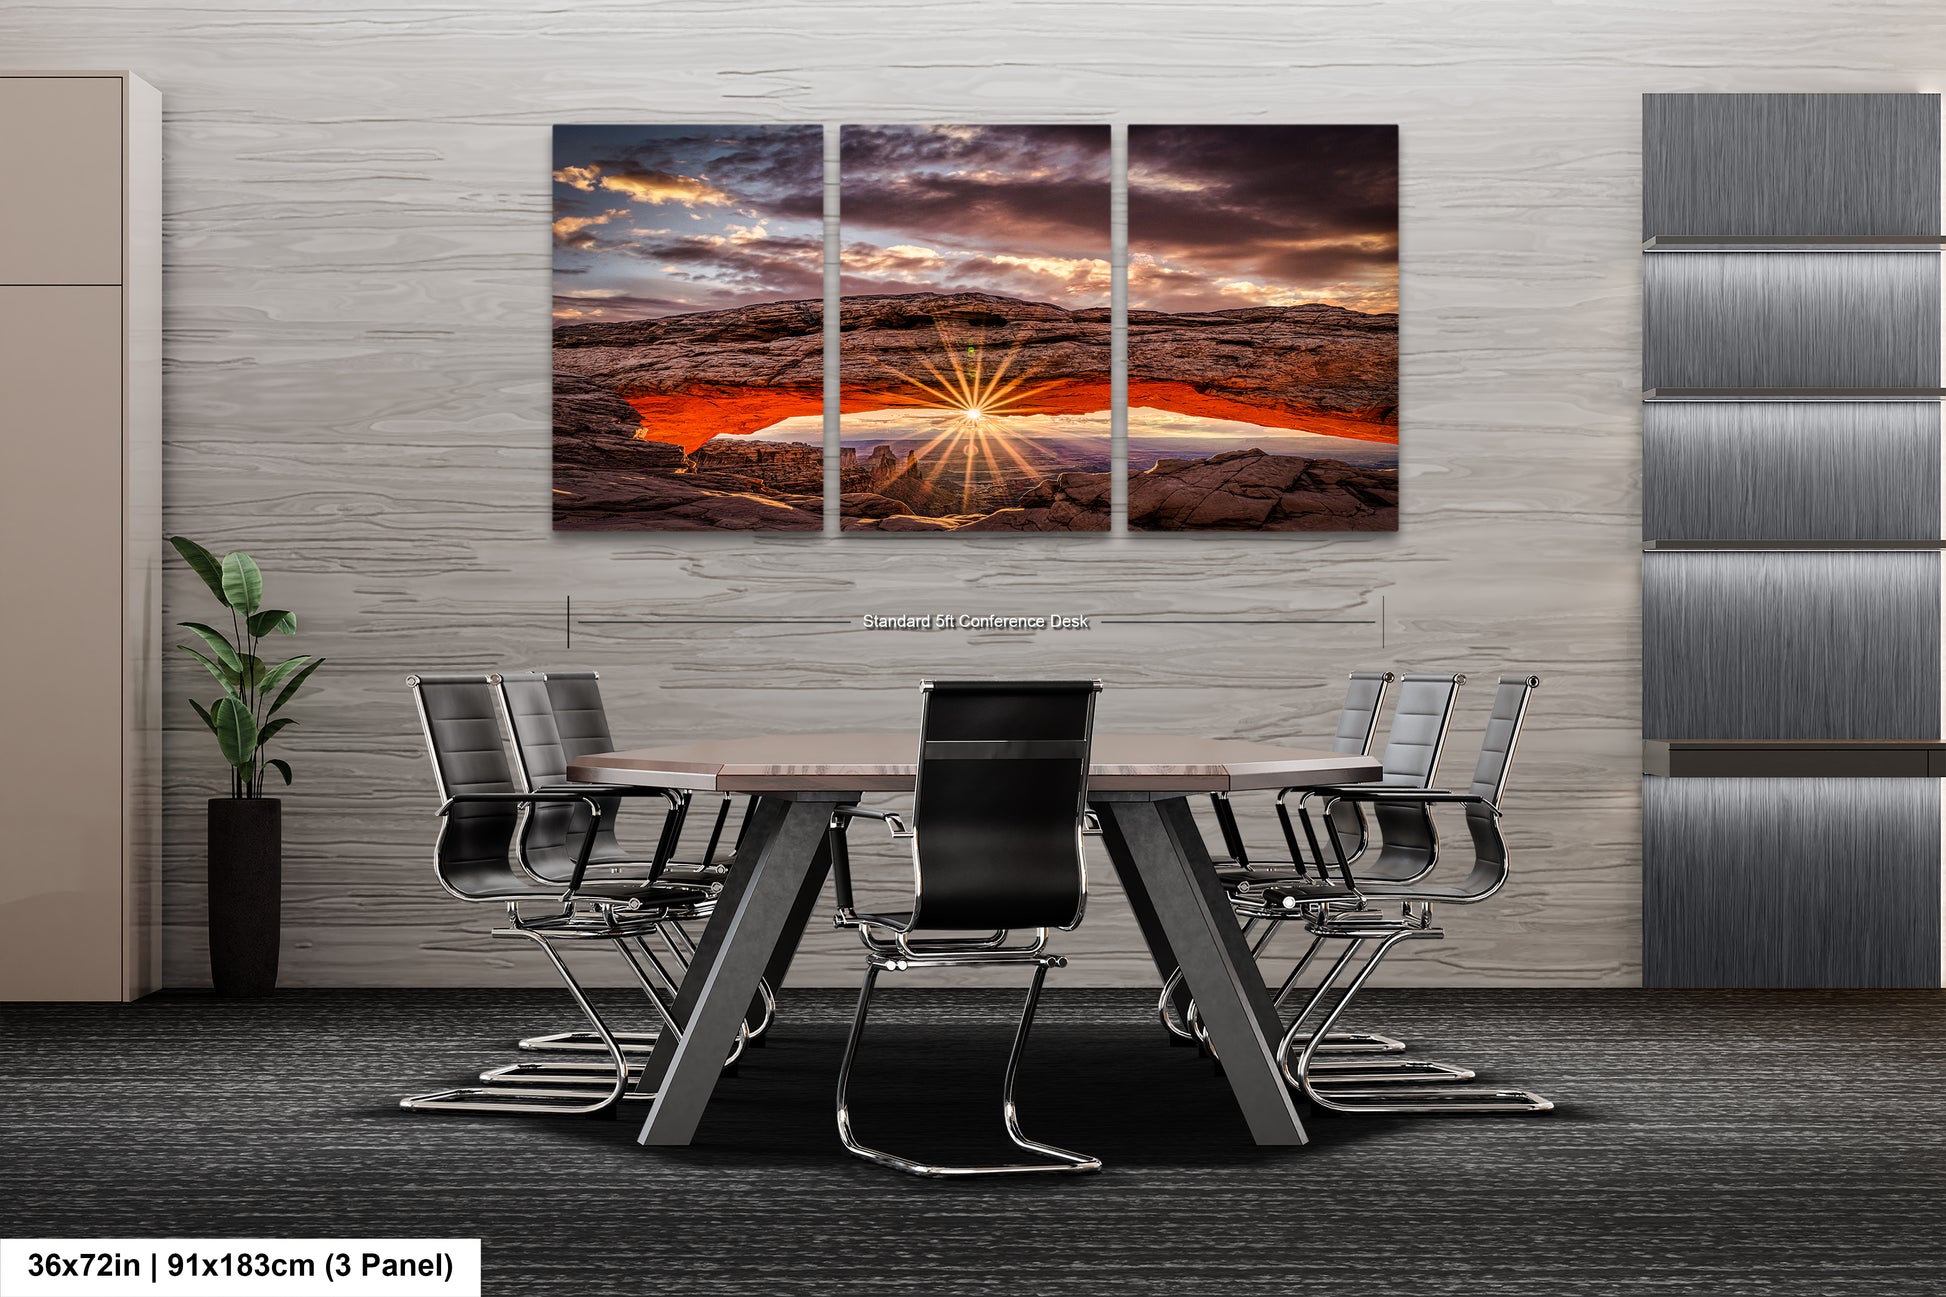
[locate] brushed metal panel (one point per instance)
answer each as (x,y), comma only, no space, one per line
(1800,645)
(1784,471)
(1791,882)
(1854,319)
(1790,164)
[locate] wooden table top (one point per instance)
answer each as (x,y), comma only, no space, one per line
(1153,763)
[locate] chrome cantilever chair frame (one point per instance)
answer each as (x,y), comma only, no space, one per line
(532,704)
(1415,745)
(893,943)
(474,860)
(1357,725)
(1358,926)
(1409,846)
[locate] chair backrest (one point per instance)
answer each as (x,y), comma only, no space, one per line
(579,716)
(998,805)
(1357,724)
(1490,857)
(462,731)
(538,751)
(1502,735)
(538,705)
(1418,735)
(1413,746)
(1358,719)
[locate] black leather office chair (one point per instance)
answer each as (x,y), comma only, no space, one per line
(557,717)
(1357,924)
(999,811)
(554,718)
(475,860)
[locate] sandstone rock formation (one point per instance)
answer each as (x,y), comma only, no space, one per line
(1319,369)
(1248,490)
(594,429)
(605,479)
(788,467)
(702,502)
(1241,490)
(710,373)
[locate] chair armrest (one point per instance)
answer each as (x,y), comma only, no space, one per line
(669,795)
(553,797)
(1420,796)
(892,821)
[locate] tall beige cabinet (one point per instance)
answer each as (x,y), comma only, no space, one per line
(81,532)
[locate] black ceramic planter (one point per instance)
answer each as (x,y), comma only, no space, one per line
(246,867)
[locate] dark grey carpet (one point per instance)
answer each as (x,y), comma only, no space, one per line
(1720,1143)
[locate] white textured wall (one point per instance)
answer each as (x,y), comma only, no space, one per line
(357,293)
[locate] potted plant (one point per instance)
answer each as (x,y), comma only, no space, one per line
(246,847)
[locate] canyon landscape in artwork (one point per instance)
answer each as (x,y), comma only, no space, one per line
(974,330)
(688,357)
(1263,328)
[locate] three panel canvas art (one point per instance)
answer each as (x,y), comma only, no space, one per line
(974,346)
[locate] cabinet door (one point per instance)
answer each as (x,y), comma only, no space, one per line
(61,658)
(60,180)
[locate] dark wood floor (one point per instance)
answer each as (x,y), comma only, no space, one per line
(1720,1143)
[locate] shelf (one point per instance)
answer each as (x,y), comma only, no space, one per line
(1794,758)
(1794,243)
(1794,394)
(1792,546)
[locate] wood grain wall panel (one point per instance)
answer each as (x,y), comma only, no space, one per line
(1791,645)
(1770,320)
(1753,164)
(1791,882)
(1777,471)
(356,337)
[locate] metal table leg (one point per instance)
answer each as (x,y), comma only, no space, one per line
(761,896)
(801,912)
(1159,853)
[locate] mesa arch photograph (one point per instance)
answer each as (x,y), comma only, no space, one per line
(688,309)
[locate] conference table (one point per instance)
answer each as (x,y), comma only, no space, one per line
(1138,784)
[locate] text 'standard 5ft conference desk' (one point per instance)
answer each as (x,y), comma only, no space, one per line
(1139,784)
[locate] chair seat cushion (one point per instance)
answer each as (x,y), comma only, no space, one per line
(1415,892)
(507,888)
(1306,891)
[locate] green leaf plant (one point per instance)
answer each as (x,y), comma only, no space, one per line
(245,718)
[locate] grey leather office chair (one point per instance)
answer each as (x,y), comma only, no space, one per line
(475,859)
(1356,924)
(1414,744)
(555,717)
(1357,724)
(999,810)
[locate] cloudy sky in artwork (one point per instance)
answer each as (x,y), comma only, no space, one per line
(1252,215)
(1021,211)
(663,220)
